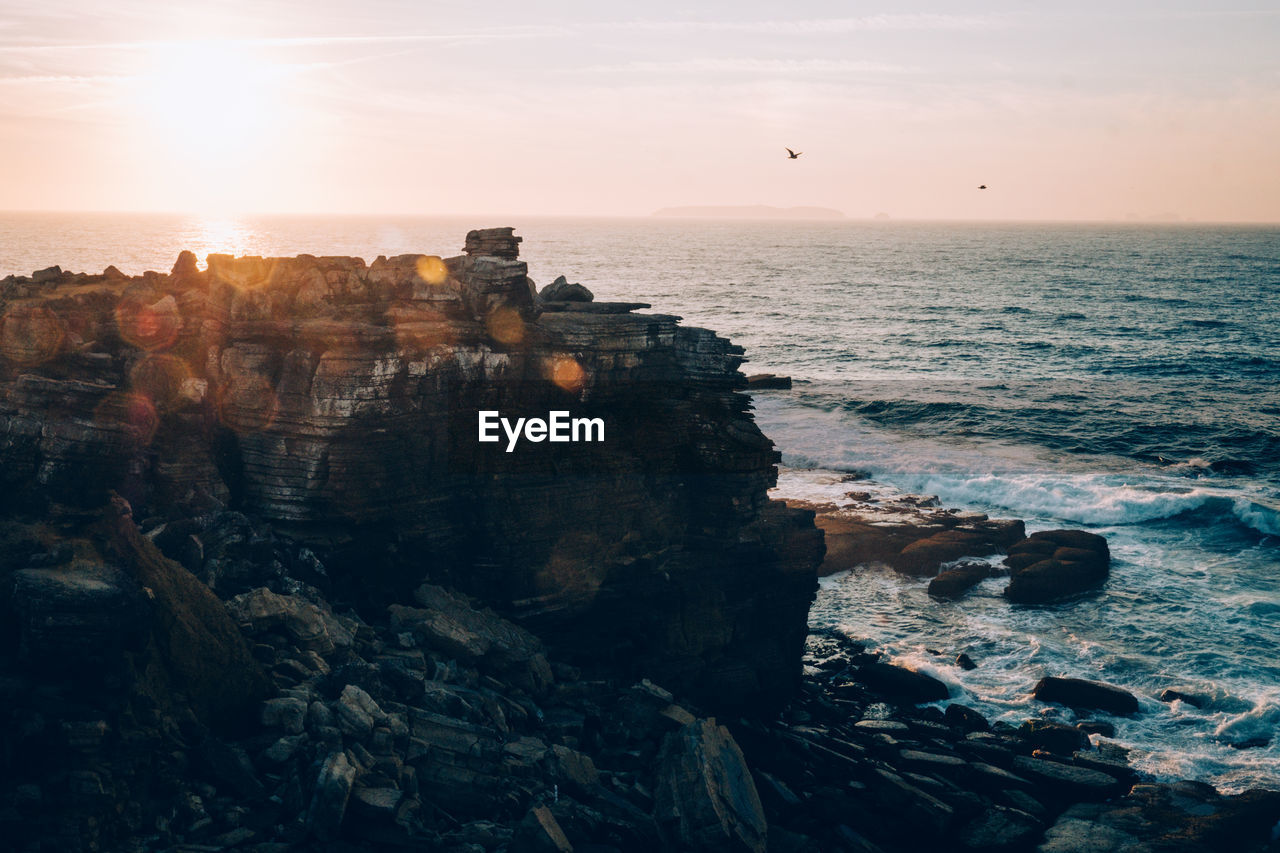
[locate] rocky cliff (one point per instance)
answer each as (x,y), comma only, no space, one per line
(337,402)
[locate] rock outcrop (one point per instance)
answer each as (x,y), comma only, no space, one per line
(338,402)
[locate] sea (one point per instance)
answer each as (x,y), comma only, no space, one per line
(1122,378)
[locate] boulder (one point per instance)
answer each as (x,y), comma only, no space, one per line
(1000,829)
(1051,565)
(954,583)
(704,795)
(766,381)
(561,290)
(924,557)
(1082,693)
(902,684)
(1066,780)
(332,792)
(448,622)
(1053,736)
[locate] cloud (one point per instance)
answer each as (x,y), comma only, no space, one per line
(797,67)
(825,26)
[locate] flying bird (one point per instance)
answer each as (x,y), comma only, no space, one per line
(793,154)
(983,187)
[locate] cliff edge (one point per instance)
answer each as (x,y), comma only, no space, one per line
(337,402)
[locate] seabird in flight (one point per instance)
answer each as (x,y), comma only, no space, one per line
(793,154)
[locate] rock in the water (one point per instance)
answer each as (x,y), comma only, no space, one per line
(764,381)
(705,796)
(1051,565)
(1054,737)
(1171,695)
(954,583)
(1082,693)
(902,684)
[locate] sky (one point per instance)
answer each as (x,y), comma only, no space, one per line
(1102,111)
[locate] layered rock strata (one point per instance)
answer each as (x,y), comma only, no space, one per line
(338,402)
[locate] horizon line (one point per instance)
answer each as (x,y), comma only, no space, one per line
(1154,219)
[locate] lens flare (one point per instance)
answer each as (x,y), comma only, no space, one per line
(432,270)
(247,403)
(505,326)
(148,321)
(161,378)
(134,413)
(567,373)
(30,334)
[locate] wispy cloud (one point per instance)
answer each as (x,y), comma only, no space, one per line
(300,41)
(798,67)
(825,26)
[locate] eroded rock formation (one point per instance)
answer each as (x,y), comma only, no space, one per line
(337,401)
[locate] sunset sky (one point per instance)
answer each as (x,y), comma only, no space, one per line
(1106,111)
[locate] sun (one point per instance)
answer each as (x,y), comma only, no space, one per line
(212,104)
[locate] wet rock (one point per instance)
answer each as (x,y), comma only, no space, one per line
(1053,736)
(1171,695)
(1096,727)
(965,718)
(1055,564)
(965,662)
(901,684)
(704,794)
(954,583)
(1082,693)
(768,381)
(1074,782)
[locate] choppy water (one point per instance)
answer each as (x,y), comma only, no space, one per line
(1122,378)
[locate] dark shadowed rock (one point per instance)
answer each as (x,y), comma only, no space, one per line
(1000,829)
(1171,695)
(704,795)
(768,381)
(1082,693)
(332,793)
(561,290)
(1051,565)
(1053,736)
(902,684)
(954,583)
(540,832)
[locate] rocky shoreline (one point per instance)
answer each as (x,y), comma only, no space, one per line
(262,591)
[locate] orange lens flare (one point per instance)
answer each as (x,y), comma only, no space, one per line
(505,326)
(148,322)
(30,334)
(135,414)
(567,373)
(432,270)
(160,377)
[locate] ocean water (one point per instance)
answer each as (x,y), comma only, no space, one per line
(1119,378)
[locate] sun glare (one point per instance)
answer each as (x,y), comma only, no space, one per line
(211,102)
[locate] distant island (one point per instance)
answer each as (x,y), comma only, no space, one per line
(750,211)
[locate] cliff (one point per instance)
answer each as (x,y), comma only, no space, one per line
(337,402)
